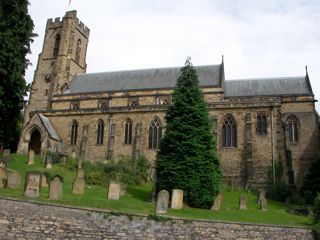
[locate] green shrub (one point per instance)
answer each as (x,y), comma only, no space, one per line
(311,181)
(71,164)
(316,230)
(316,209)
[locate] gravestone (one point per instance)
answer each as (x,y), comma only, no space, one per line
(263,204)
(6,157)
(13,179)
(262,194)
(177,199)
(3,177)
(44,181)
(32,184)
(48,161)
(79,182)
(243,202)
(217,202)
(162,201)
(114,191)
(123,189)
(55,189)
(31,155)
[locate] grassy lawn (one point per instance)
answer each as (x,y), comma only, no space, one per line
(136,199)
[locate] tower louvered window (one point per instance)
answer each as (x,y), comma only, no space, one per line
(56,45)
(229,132)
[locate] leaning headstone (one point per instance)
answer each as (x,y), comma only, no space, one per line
(177,199)
(263,204)
(44,181)
(262,194)
(55,189)
(243,202)
(3,177)
(217,202)
(13,179)
(48,161)
(80,173)
(162,201)
(32,184)
(114,191)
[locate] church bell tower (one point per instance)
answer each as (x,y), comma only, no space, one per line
(63,55)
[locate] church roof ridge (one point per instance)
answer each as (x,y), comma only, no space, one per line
(265,78)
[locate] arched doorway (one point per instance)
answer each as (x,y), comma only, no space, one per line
(34,145)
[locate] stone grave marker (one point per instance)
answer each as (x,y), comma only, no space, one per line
(243,202)
(162,201)
(32,184)
(262,194)
(13,179)
(6,157)
(55,189)
(123,189)
(3,177)
(44,181)
(79,182)
(217,202)
(263,204)
(48,161)
(114,190)
(177,199)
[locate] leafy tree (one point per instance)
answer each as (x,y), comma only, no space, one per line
(311,184)
(187,156)
(16,33)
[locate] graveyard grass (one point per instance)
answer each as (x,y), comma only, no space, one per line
(137,199)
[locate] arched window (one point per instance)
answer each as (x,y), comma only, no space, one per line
(292,123)
(100,132)
(74,133)
(78,50)
(229,132)
(56,45)
(261,123)
(155,133)
(128,132)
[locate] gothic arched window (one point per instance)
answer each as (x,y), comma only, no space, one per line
(261,123)
(100,132)
(78,50)
(128,132)
(292,123)
(155,133)
(74,133)
(56,45)
(229,132)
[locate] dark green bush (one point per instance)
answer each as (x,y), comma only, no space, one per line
(316,209)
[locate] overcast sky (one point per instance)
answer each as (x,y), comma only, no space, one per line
(258,38)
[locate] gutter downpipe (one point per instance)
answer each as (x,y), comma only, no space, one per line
(273,152)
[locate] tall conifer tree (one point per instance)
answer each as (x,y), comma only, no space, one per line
(187,156)
(16,33)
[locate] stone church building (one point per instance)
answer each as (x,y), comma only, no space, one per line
(99,116)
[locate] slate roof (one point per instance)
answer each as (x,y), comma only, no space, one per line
(268,87)
(140,79)
(50,129)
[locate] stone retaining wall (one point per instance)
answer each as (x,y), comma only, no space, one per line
(25,220)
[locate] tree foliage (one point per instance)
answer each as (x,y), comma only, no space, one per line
(187,156)
(16,33)
(311,182)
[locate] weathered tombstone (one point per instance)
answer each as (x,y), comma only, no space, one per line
(114,191)
(79,182)
(48,161)
(63,159)
(31,154)
(262,194)
(32,184)
(162,201)
(44,181)
(263,204)
(80,173)
(243,202)
(55,189)
(3,177)
(177,199)
(6,157)
(217,202)
(13,179)
(123,189)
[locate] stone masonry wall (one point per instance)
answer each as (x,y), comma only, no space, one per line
(24,220)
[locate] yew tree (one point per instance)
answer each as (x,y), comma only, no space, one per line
(187,156)
(16,33)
